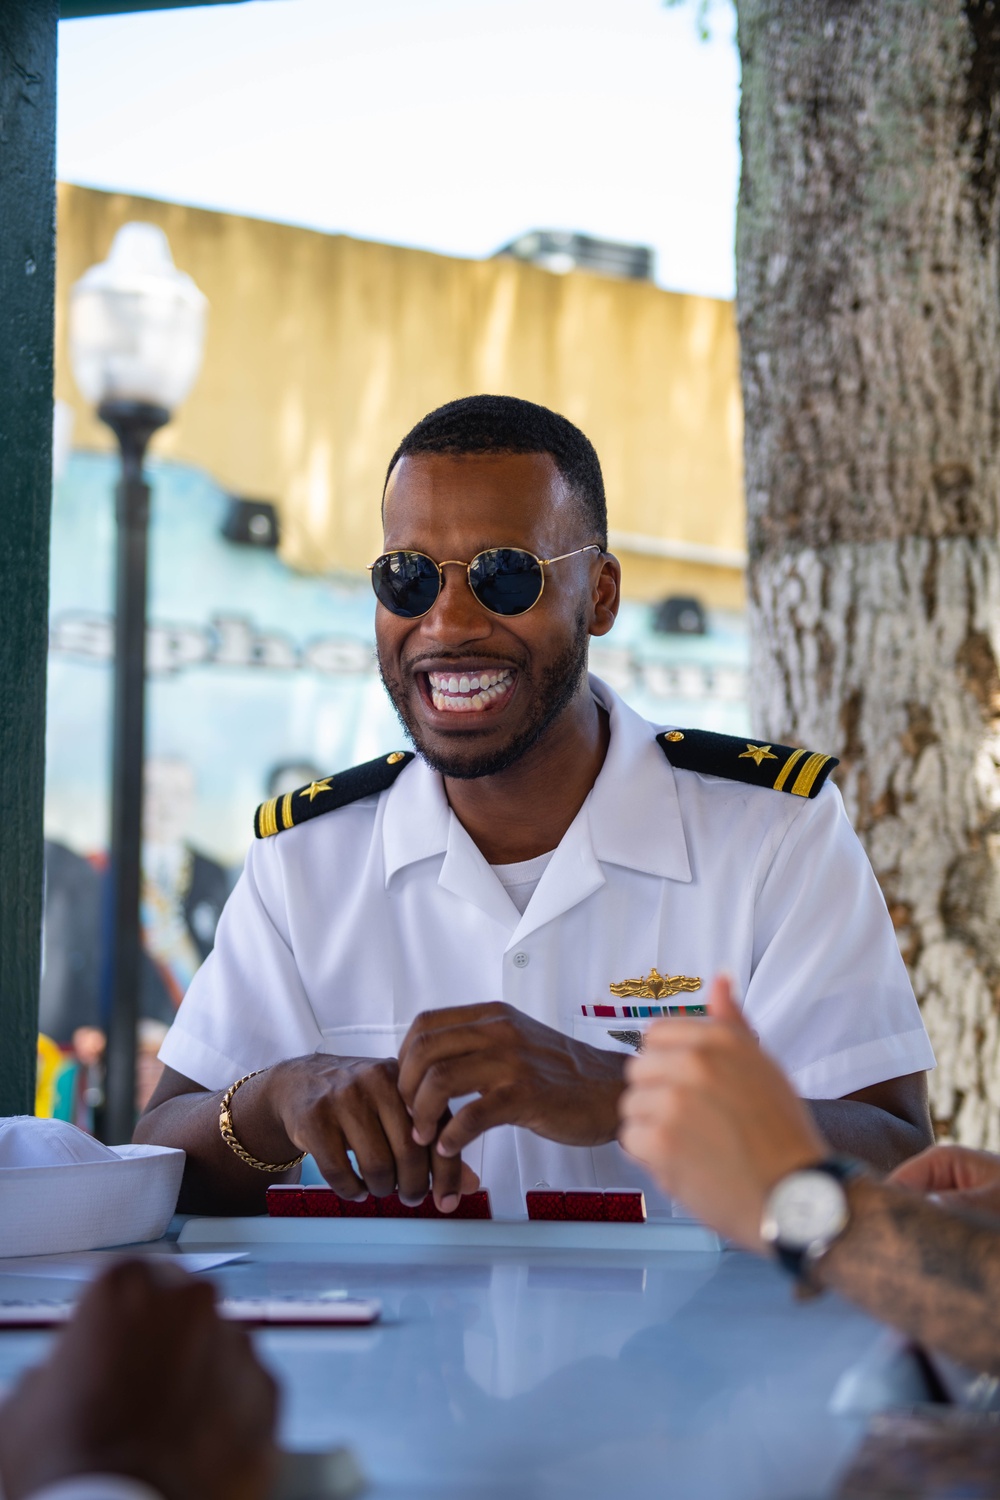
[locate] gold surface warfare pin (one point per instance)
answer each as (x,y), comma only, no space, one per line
(656,986)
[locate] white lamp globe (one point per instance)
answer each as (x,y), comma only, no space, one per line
(136,324)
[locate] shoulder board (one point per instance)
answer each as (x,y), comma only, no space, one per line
(328,794)
(782,768)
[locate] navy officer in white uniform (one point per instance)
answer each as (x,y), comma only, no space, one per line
(435,962)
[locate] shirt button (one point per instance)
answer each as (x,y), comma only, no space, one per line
(521,960)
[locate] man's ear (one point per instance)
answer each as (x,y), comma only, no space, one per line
(607,595)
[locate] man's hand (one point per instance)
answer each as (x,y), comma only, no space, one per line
(330,1105)
(956,1176)
(714,1118)
(147,1382)
(524,1073)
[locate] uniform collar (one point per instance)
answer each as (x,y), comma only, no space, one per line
(416,817)
(614,825)
(634,812)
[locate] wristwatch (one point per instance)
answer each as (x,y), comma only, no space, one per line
(806,1212)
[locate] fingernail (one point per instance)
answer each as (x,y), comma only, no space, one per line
(420,1139)
(449,1203)
(445,1151)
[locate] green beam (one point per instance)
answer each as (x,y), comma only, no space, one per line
(28,32)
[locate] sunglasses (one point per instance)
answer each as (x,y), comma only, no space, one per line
(505,580)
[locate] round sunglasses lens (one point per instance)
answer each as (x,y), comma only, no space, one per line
(406,583)
(506,580)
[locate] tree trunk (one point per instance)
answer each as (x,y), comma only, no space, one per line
(868,252)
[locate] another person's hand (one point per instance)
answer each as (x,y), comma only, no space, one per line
(330,1105)
(714,1118)
(956,1176)
(524,1073)
(149,1383)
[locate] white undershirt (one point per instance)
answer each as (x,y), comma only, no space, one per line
(520,880)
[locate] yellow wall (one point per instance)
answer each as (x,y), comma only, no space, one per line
(322,351)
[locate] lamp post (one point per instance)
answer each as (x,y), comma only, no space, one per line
(136,335)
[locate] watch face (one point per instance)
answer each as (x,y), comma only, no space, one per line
(805,1209)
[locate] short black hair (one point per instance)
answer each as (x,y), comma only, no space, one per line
(506,424)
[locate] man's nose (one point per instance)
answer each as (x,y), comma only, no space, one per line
(456,614)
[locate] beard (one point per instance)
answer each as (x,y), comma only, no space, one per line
(550,694)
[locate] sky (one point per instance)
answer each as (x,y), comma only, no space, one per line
(451,125)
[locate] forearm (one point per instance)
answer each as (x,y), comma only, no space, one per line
(929,1272)
(873,1135)
(216,1181)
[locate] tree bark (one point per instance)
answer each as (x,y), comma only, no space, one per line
(868,267)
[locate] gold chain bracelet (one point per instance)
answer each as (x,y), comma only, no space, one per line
(229,1135)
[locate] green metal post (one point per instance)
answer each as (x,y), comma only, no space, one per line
(28,35)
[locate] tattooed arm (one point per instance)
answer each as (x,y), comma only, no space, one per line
(929,1271)
(718,1125)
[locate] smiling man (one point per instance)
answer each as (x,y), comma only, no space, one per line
(440,963)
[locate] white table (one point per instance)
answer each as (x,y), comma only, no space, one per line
(520,1365)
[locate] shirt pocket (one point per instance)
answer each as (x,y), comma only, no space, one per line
(611,1033)
(617,1033)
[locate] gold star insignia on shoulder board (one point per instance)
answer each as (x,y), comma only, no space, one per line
(314,788)
(757,753)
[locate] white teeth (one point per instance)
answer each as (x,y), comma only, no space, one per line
(467,694)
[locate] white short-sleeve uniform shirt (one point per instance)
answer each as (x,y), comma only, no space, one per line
(341,930)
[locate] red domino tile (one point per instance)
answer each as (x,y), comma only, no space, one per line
(625,1207)
(294,1202)
(321,1203)
(285,1201)
(472,1206)
(584,1207)
(367,1208)
(392,1207)
(545,1204)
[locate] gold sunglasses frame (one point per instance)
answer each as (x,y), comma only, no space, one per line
(456,562)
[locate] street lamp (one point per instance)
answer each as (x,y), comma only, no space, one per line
(136,332)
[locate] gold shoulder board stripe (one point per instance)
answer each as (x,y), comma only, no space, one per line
(267,822)
(787,768)
(806,779)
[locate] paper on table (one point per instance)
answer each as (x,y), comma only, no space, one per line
(87,1264)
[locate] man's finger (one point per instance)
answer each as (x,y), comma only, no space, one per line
(432,1048)
(446,1180)
(331,1157)
(722,1002)
(479,1115)
(677,1032)
(447,1018)
(376,1162)
(661,1060)
(412,1162)
(451,1078)
(943,1168)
